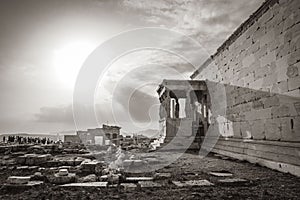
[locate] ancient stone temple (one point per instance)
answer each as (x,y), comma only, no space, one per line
(254,86)
(184,111)
(246,96)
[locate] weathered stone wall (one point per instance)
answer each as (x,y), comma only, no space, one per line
(258,68)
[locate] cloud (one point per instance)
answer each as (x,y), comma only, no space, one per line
(201,19)
(59,114)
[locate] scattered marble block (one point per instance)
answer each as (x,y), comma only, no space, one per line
(33,159)
(35,183)
(128,186)
(233,181)
(88,178)
(160,176)
(63,172)
(18,179)
(192,183)
(127,163)
(37,176)
(220,174)
(113,179)
(178,183)
(65,167)
(57,179)
(89,184)
(22,168)
(104,178)
(90,166)
(33,168)
(148,184)
(137,179)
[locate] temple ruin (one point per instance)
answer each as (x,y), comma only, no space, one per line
(98,136)
(252,85)
(184,110)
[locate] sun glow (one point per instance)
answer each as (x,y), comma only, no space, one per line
(68,61)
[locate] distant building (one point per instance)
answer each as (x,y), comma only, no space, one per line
(98,136)
(72,138)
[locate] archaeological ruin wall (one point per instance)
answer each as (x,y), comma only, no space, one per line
(254,83)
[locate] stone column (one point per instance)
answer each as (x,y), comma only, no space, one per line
(188,110)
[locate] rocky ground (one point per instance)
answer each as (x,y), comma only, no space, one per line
(188,177)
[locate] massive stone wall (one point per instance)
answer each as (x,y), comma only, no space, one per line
(258,68)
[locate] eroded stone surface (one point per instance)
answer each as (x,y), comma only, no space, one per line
(221,174)
(18,179)
(192,183)
(128,186)
(136,179)
(89,184)
(233,181)
(159,176)
(149,184)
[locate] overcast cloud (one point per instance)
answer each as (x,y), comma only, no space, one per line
(33,96)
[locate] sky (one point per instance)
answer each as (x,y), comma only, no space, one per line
(43,45)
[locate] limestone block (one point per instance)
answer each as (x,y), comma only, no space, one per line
(281,111)
(256,85)
(292,71)
(57,179)
(128,186)
(268,59)
(295,31)
(18,179)
(88,178)
(113,179)
(279,28)
(246,130)
(283,50)
(290,129)
(274,44)
(192,183)
(271,102)
(221,174)
(258,34)
(297,44)
(263,51)
(294,57)
(149,184)
(89,166)
(258,104)
(284,2)
(254,47)
(288,22)
(160,176)
(281,69)
(233,181)
(267,38)
(258,129)
(258,114)
(294,83)
(272,129)
(279,88)
(294,93)
(89,184)
(63,172)
(136,179)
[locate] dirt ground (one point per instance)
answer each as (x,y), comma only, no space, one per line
(262,183)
